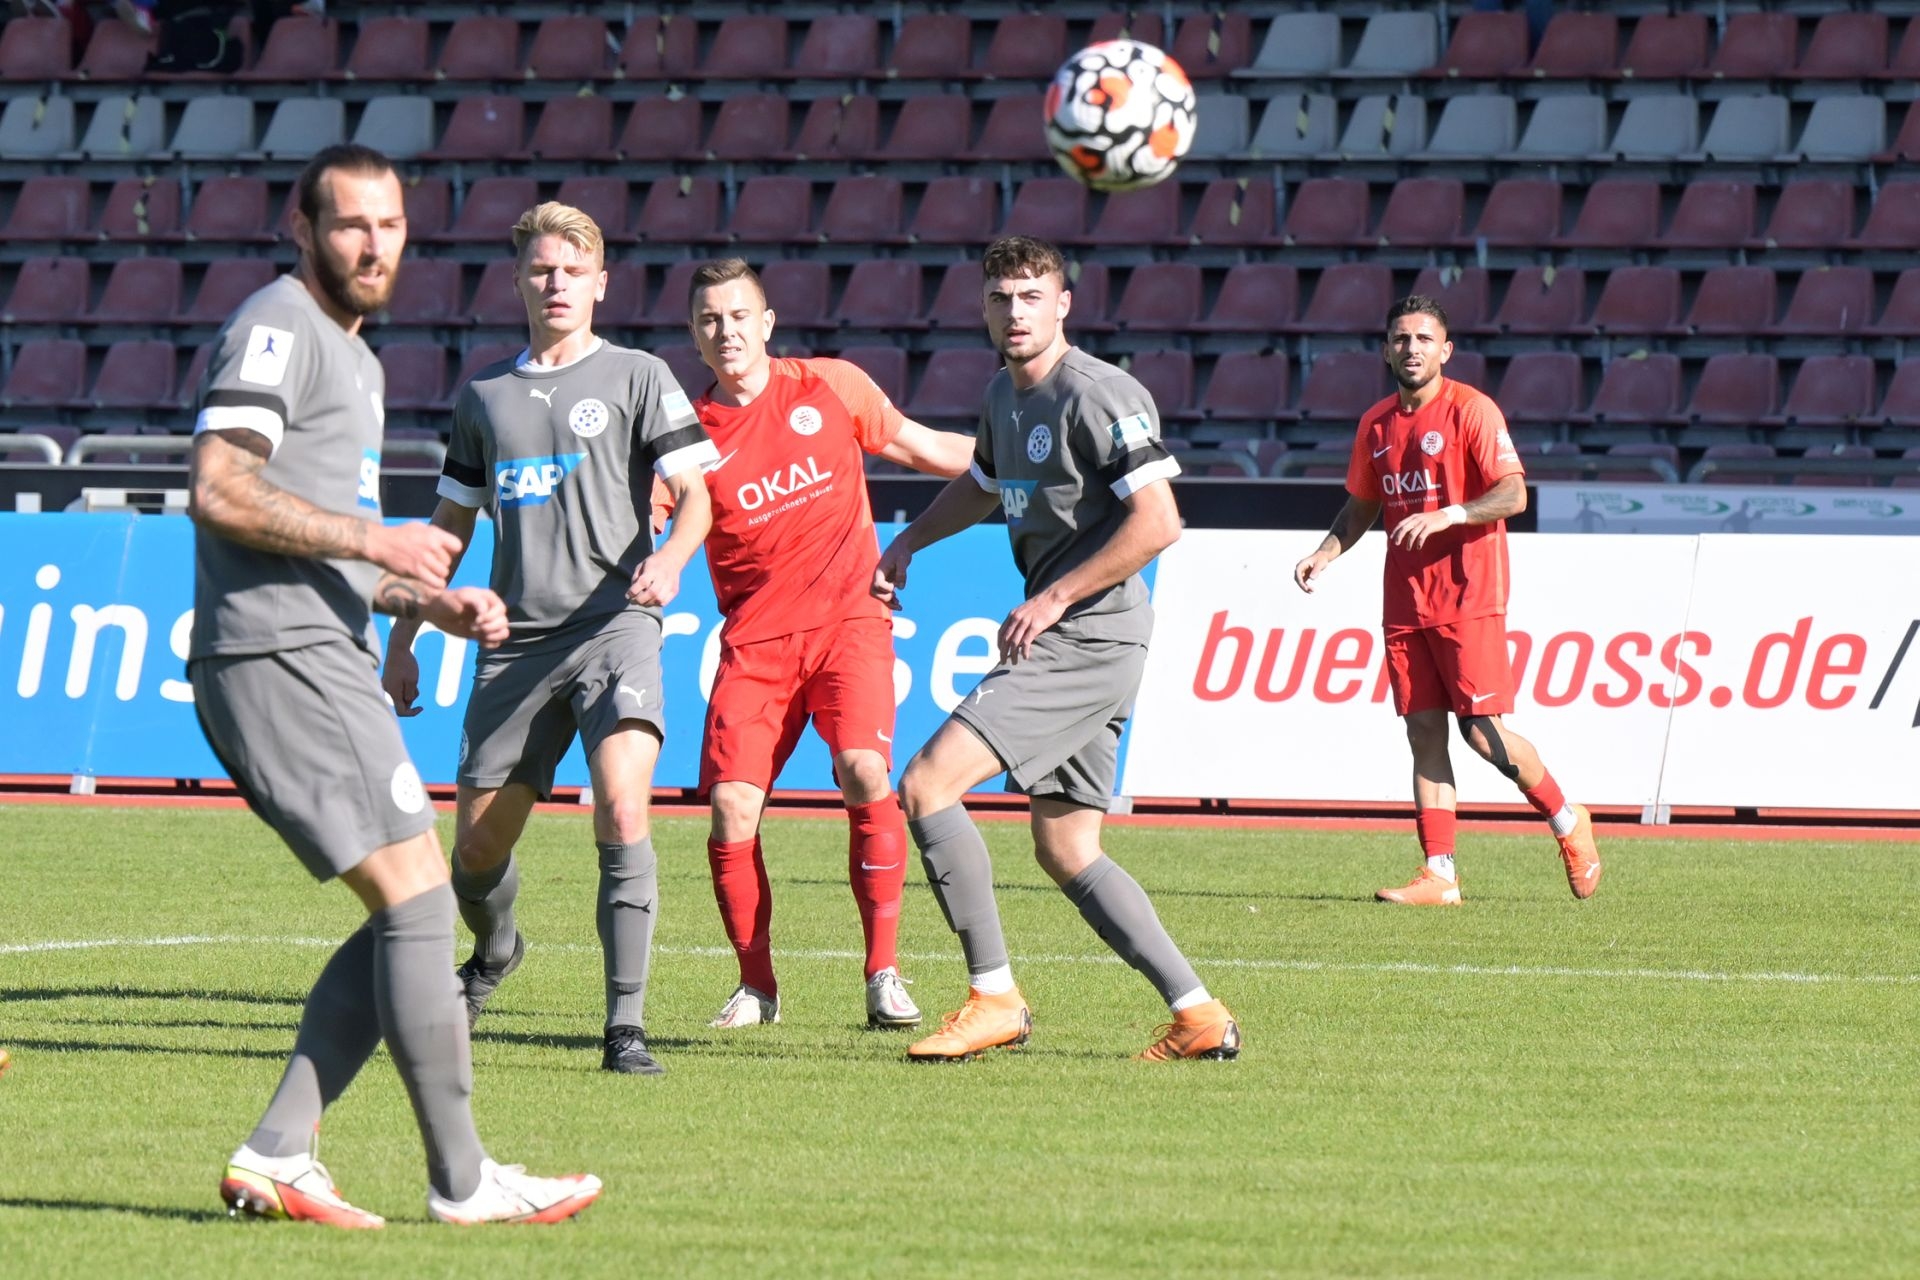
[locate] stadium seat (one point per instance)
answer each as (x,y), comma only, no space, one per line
(625,305)
(750,126)
(496,299)
(1901,318)
(1485,46)
(1051,209)
(1255,297)
(298,48)
(1618,213)
(1894,221)
(1843,127)
(48,291)
(659,48)
(479,357)
(480,47)
(226,283)
(748,46)
(952,385)
(1296,126)
(1349,297)
(1026,46)
(484,127)
(933,46)
(426,292)
(1385,126)
(1342,385)
(839,128)
(605,200)
(1150,216)
(401,127)
(1543,300)
(491,208)
(1665,47)
(1223,128)
(416,374)
(1298,45)
(1810,214)
(1734,302)
(1474,124)
(570,46)
(1906,145)
(115,52)
(957,300)
(1862,479)
(1328,212)
(1641,389)
(798,291)
(1829,391)
(1656,452)
(1469,367)
(1167,377)
(141,209)
(1713,213)
(47,373)
(1576,46)
(50,208)
(1541,388)
(429,205)
(1519,212)
(773,209)
(576,129)
(1213,43)
(863,209)
(1423,213)
(662,128)
(389,48)
(881,293)
(1637,301)
(935,126)
(34,48)
(1736,389)
(1718,465)
(186,392)
(886,365)
(300,127)
(956,210)
(668,310)
(136,374)
(33,128)
(679,210)
(840,46)
(1828,302)
(1462,292)
(1755,46)
(1752,129)
(1016,131)
(123,128)
(1900,407)
(230,208)
(1394,45)
(1573,127)
(145,291)
(1161,296)
(1656,127)
(1248,386)
(1131,23)
(1234,211)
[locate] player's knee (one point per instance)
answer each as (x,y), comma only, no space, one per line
(921,791)
(1484,737)
(736,812)
(863,776)
(622,817)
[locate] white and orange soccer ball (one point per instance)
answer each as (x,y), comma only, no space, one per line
(1120,114)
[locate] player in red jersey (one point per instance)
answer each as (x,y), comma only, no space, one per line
(1436,457)
(792,552)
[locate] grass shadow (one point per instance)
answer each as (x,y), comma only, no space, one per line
(116,992)
(98,1206)
(108,1046)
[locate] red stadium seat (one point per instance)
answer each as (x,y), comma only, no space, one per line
(1015,130)
(1901,319)
(227,283)
(1167,377)
(1255,297)
(748,47)
(956,210)
(427,292)
(1618,213)
(35,49)
(50,208)
(142,209)
(881,293)
(496,299)
(1485,45)
(863,209)
(773,209)
(1756,46)
(481,47)
(1901,405)
(1091,285)
(1162,296)
(47,373)
(886,365)
(1906,145)
(478,358)
(1469,367)
(1234,211)
(605,200)
(145,291)
(230,208)
(840,46)
(1666,47)
(186,392)
(1734,301)
(688,369)
(1712,214)
(1811,214)
(797,291)
(1146,217)
(670,306)
(1248,385)
(1894,221)
(1519,212)
(1052,209)
(1828,302)
(1328,211)
(1829,391)
(298,48)
(1423,213)
(1212,44)
(1349,297)
(1132,23)
(48,291)
(390,48)
(660,48)
(953,385)
(1543,300)
(933,46)
(1027,46)
(663,128)
(680,209)
(1542,387)
(1659,451)
(1342,385)
(935,126)
(1635,390)
(750,126)
(1734,452)
(957,302)
(570,46)
(491,208)
(574,129)
(1862,479)
(416,374)
(1639,301)
(1737,389)
(625,305)
(485,127)
(115,52)
(429,205)
(1464,293)
(1577,46)
(1846,46)
(135,375)
(839,128)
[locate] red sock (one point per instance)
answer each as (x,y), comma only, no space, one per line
(1436,832)
(1545,796)
(746,908)
(877,869)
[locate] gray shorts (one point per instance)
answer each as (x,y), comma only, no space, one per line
(528,702)
(1054,719)
(310,741)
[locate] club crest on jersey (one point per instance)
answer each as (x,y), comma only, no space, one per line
(805,420)
(1040,443)
(528,482)
(265,364)
(1432,443)
(588,419)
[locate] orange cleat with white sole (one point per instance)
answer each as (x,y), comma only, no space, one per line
(1424,890)
(983,1022)
(1204,1031)
(297,1188)
(1580,854)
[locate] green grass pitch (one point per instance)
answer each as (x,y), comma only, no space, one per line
(1708,1070)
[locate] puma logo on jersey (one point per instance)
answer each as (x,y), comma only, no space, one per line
(537,394)
(528,482)
(636,694)
(757,493)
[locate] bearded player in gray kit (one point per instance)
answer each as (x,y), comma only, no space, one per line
(291,560)
(557,445)
(1068,447)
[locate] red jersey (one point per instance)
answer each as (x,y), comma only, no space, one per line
(793,545)
(1452,451)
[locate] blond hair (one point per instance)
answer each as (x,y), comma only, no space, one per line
(555,219)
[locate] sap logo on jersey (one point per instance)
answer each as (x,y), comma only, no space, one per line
(755,494)
(1408,482)
(369,494)
(528,482)
(1015,497)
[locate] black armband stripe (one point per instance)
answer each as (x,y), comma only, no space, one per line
(660,446)
(231,398)
(464,473)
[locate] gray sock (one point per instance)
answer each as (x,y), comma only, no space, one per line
(627,909)
(961,873)
(1118,909)
(338,1032)
(423,1018)
(486,905)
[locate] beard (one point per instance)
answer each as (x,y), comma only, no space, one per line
(348,294)
(1413,382)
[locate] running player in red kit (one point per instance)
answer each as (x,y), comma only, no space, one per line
(1436,457)
(792,553)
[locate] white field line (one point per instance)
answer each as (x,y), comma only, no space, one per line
(1227,962)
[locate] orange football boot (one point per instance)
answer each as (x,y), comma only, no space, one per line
(1204,1031)
(1581,855)
(983,1022)
(1424,890)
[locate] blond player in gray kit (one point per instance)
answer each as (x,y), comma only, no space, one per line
(1068,447)
(559,446)
(291,561)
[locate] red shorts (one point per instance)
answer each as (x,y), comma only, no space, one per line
(840,676)
(1462,667)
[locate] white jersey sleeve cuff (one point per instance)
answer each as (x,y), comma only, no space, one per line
(1140,477)
(242,417)
(694,456)
(982,479)
(464,494)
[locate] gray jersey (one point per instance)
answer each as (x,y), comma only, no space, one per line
(283,369)
(562,460)
(1063,457)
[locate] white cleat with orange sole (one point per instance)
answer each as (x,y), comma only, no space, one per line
(297,1188)
(508,1193)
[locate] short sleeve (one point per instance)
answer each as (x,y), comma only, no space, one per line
(1363,482)
(259,366)
(463,476)
(1117,427)
(875,420)
(983,470)
(667,433)
(1483,429)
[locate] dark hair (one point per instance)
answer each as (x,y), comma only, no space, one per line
(348,157)
(719,271)
(1417,305)
(1022,258)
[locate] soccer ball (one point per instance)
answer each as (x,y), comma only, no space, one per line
(1120,114)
